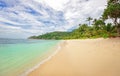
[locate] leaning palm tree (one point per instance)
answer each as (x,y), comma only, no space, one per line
(89,19)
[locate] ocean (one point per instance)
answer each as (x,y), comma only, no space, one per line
(18,57)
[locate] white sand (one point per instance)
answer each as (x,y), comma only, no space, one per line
(91,57)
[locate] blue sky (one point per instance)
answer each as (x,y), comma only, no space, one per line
(24,18)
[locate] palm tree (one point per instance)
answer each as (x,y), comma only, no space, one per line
(94,21)
(89,19)
(99,23)
(109,29)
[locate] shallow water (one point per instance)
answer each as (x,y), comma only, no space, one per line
(19,55)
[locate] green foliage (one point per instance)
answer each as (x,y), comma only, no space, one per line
(113,11)
(89,19)
(33,37)
(52,35)
(98,24)
(84,31)
(105,35)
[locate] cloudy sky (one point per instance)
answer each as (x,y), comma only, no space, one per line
(24,18)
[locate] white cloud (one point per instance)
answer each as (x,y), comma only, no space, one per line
(34,17)
(55,4)
(80,10)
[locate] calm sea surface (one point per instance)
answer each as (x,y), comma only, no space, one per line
(17,56)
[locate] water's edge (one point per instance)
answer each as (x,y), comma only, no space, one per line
(45,60)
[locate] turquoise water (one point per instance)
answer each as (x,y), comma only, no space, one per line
(17,55)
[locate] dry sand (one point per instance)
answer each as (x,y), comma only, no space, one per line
(90,57)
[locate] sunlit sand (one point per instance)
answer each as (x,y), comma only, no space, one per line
(90,57)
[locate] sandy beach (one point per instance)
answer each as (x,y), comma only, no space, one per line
(89,57)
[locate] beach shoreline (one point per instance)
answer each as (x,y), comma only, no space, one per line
(88,57)
(47,56)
